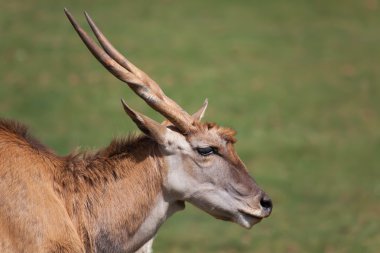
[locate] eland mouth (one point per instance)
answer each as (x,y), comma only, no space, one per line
(251,215)
(248,219)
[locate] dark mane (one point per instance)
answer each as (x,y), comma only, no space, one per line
(118,148)
(96,166)
(124,145)
(22,133)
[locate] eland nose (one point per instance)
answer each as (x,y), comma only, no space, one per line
(266,204)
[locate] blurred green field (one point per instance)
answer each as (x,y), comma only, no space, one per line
(299,81)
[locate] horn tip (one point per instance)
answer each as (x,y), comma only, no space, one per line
(68,15)
(87,15)
(66,11)
(123,102)
(126,108)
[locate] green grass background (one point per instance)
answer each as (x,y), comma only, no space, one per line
(298,80)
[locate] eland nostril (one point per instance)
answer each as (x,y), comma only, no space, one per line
(266,203)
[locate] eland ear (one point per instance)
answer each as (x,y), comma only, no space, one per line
(147,125)
(196,116)
(201,112)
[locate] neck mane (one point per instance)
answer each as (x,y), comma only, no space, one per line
(109,194)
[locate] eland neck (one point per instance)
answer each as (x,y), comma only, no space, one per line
(116,197)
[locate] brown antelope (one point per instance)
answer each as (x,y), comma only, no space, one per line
(115,199)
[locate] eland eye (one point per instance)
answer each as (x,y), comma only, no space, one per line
(206,151)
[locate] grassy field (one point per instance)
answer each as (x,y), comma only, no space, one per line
(299,81)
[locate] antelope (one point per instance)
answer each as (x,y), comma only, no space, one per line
(115,199)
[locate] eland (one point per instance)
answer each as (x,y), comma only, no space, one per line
(116,199)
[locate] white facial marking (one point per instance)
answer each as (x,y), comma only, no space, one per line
(175,142)
(178,181)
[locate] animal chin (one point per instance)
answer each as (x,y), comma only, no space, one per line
(247,219)
(224,218)
(220,215)
(242,218)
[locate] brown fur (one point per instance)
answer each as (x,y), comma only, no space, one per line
(66,204)
(228,134)
(19,133)
(72,204)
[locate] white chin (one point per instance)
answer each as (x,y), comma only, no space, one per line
(246,221)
